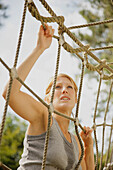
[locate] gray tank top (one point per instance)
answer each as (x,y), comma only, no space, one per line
(61,154)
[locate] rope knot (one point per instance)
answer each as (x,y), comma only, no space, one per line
(104,124)
(13,73)
(76,122)
(51,108)
(60,30)
(102,75)
(61,39)
(30,1)
(94,126)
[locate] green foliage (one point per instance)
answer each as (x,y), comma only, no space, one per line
(12,141)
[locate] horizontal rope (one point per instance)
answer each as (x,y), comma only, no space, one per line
(91,24)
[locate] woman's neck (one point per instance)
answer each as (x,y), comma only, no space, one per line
(63,122)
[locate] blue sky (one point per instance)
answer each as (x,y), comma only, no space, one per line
(45,66)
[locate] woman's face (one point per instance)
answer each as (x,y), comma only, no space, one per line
(65,95)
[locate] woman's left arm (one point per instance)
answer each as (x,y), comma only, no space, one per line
(88,148)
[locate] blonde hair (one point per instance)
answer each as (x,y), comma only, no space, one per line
(48,89)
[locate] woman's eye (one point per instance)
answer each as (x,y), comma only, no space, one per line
(57,87)
(70,87)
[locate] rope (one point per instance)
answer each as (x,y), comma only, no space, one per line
(42,101)
(95,136)
(104,125)
(11,80)
(91,24)
(50,113)
(109,146)
(77,109)
(64,29)
(21,33)
(35,13)
(5,109)
(111,156)
(5,65)
(4,167)
(102,64)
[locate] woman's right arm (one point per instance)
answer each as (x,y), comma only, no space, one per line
(23,104)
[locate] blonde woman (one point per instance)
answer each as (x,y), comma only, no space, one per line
(63,150)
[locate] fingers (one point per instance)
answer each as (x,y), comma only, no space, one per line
(49,32)
(87,137)
(88,131)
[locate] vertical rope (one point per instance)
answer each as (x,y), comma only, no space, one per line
(104,125)
(111,156)
(5,109)
(80,90)
(108,151)
(21,33)
(50,114)
(77,109)
(95,136)
(56,73)
(11,79)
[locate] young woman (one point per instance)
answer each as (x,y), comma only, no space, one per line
(64,149)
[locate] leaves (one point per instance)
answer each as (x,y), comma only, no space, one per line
(12,142)
(99,36)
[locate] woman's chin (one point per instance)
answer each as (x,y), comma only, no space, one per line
(64,108)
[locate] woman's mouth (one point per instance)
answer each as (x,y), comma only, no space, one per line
(65,98)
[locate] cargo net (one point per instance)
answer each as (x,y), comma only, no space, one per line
(99,68)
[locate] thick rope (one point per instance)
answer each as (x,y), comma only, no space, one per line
(35,13)
(64,29)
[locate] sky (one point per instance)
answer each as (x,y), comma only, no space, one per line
(45,66)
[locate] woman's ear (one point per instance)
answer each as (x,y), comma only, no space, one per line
(47,98)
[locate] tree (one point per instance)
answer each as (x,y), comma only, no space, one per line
(3,9)
(99,36)
(12,142)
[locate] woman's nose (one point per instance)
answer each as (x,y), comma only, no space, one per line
(64,90)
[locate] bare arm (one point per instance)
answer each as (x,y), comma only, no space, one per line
(22,103)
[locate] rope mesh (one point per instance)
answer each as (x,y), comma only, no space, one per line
(97,68)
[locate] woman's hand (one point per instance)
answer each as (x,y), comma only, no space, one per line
(45,37)
(86,137)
